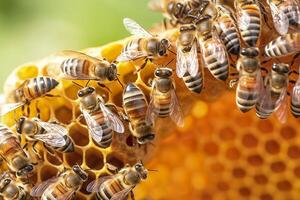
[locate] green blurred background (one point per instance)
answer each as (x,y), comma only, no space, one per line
(32,29)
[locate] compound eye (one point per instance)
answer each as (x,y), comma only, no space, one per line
(138,167)
(6,181)
(80,93)
(75,168)
(91,90)
(157,73)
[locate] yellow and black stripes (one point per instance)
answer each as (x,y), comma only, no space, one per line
(75,67)
(194,84)
(38,87)
(111,187)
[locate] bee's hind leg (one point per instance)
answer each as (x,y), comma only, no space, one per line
(132,195)
(35,150)
(104,86)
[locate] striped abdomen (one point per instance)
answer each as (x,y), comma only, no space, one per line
(133,45)
(135,103)
(295,100)
(295,108)
(250,30)
(219,69)
(247,93)
(162,103)
(194,84)
(38,87)
(75,67)
(107,131)
(228,33)
(292,12)
(283,45)
(111,187)
(69,146)
(56,191)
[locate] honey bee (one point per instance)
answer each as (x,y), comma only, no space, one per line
(227,30)
(135,106)
(250,79)
(164,100)
(100,119)
(80,66)
(187,55)
(194,84)
(12,153)
(11,189)
(249,20)
(29,90)
(144,45)
(283,45)
(62,187)
(52,135)
(295,99)
(285,13)
(213,51)
(118,186)
(274,95)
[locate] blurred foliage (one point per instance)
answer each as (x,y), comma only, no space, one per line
(32,29)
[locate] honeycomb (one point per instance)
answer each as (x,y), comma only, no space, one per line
(220,153)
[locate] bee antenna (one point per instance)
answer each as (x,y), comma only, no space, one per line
(87,83)
(77,84)
(152,170)
(170,62)
(141,161)
(120,82)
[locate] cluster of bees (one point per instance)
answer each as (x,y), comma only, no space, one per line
(218,30)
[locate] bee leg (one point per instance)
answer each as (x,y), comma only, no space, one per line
(124,117)
(38,111)
(51,95)
(233,82)
(35,150)
(149,82)
(49,150)
(143,65)
(25,146)
(165,24)
(294,58)
(79,118)
(293,72)
(132,195)
(104,86)
(112,168)
(264,69)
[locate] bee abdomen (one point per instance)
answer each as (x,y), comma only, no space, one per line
(229,36)
(194,84)
(295,108)
(246,100)
(163,106)
(218,70)
(39,86)
(263,113)
(252,33)
(134,102)
(74,67)
(291,11)
(113,187)
(283,45)
(69,146)
(107,131)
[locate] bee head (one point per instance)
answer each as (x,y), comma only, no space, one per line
(145,131)
(85,91)
(112,72)
(163,46)
(26,126)
(140,169)
(163,72)
(280,68)
(80,172)
(251,52)
(174,8)
(19,124)
(4,182)
(25,171)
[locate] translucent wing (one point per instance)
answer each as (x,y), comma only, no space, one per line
(6,108)
(181,67)
(243,18)
(296,92)
(131,52)
(66,196)
(295,6)
(94,127)
(135,29)
(280,20)
(122,194)
(52,127)
(156,5)
(150,115)
(192,61)
(94,186)
(281,109)
(176,112)
(251,84)
(115,122)
(217,48)
(265,100)
(40,188)
(77,54)
(52,139)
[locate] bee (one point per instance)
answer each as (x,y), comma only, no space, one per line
(144,45)
(28,91)
(250,79)
(285,13)
(118,186)
(10,189)
(283,45)
(227,30)
(135,106)
(249,20)
(164,100)
(187,55)
(273,96)
(52,135)
(12,153)
(194,84)
(61,187)
(295,99)
(214,54)
(80,66)
(100,119)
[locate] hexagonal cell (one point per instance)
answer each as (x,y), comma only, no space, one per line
(297,171)
(91,177)
(115,160)
(94,159)
(272,146)
(294,152)
(217,167)
(227,133)
(27,72)
(249,140)
(48,172)
(63,114)
(245,191)
(284,185)
(118,98)
(232,153)
(211,148)
(266,196)
(71,92)
(79,134)
(278,166)
(261,179)
(265,126)
(238,172)
(74,157)
(255,160)
(288,132)
(80,196)
(223,186)
(54,159)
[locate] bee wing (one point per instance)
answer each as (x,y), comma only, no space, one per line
(296,14)
(150,115)
(135,29)
(264,100)
(95,129)
(281,109)
(296,92)
(176,112)
(122,194)
(281,21)
(52,127)
(130,53)
(181,66)
(243,18)
(67,195)
(192,61)
(156,5)
(40,188)
(94,186)
(7,108)
(51,138)
(115,122)
(218,49)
